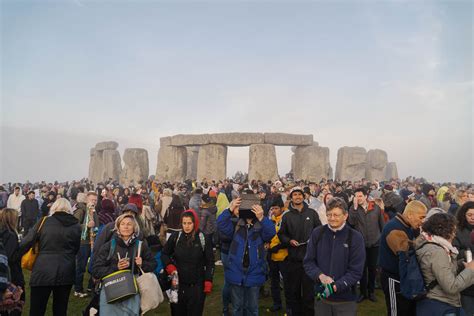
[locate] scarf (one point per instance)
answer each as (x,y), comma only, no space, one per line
(441,241)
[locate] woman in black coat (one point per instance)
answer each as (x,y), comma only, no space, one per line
(9,238)
(462,242)
(55,267)
(189,254)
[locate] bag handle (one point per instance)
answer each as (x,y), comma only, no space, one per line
(41,224)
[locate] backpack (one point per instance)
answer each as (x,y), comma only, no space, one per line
(412,283)
(202,239)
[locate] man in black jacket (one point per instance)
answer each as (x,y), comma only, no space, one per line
(29,212)
(296,227)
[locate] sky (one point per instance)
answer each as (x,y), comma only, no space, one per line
(393,75)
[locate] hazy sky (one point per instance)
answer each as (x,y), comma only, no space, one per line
(391,75)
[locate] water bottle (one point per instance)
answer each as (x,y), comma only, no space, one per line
(468,255)
(173,291)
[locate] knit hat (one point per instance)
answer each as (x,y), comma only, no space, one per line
(277,202)
(296,189)
(130,207)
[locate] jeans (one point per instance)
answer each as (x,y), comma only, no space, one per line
(226,295)
(244,300)
(430,307)
(81,263)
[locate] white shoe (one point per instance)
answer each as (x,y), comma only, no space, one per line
(80,294)
(218,263)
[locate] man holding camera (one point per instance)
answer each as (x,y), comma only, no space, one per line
(335,260)
(246,271)
(296,227)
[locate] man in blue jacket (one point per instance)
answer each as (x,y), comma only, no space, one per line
(246,271)
(335,260)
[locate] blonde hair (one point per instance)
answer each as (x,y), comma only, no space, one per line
(61,205)
(136,227)
(458,196)
(9,219)
(415,207)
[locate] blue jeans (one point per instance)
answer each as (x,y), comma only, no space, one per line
(430,307)
(226,287)
(81,263)
(244,300)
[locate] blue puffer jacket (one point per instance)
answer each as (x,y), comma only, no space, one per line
(255,235)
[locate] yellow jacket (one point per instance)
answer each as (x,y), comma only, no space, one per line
(281,254)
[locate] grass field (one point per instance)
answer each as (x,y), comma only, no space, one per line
(213,302)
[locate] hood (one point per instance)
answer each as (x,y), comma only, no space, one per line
(65,219)
(196,218)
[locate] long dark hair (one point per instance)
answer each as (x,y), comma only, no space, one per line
(461,214)
(190,215)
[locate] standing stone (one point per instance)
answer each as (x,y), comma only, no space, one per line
(212,162)
(262,162)
(95,166)
(105,162)
(112,164)
(293,161)
(351,163)
(191,170)
(171,164)
(311,163)
(135,166)
(376,164)
(391,172)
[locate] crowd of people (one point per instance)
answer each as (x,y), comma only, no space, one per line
(327,244)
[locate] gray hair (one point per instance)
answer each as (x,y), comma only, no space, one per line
(61,205)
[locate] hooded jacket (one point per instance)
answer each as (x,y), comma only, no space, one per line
(59,241)
(246,269)
(14,201)
(194,264)
(10,242)
(368,222)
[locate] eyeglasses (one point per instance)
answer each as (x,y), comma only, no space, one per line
(334,215)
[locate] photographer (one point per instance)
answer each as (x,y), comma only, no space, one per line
(247,266)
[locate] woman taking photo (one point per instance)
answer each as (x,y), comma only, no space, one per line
(121,253)
(55,267)
(189,254)
(437,259)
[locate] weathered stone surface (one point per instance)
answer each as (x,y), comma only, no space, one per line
(112,164)
(165,141)
(236,139)
(351,163)
(95,166)
(262,162)
(311,163)
(391,171)
(171,164)
(283,139)
(376,164)
(135,166)
(293,161)
(192,160)
(106,145)
(330,173)
(212,162)
(105,162)
(189,140)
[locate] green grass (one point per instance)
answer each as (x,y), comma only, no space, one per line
(213,304)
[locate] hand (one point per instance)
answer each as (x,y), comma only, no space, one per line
(380,203)
(138,261)
(123,264)
(325,279)
(469,265)
(91,224)
(355,204)
(294,243)
(234,206)
(266,245)
(258,210)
